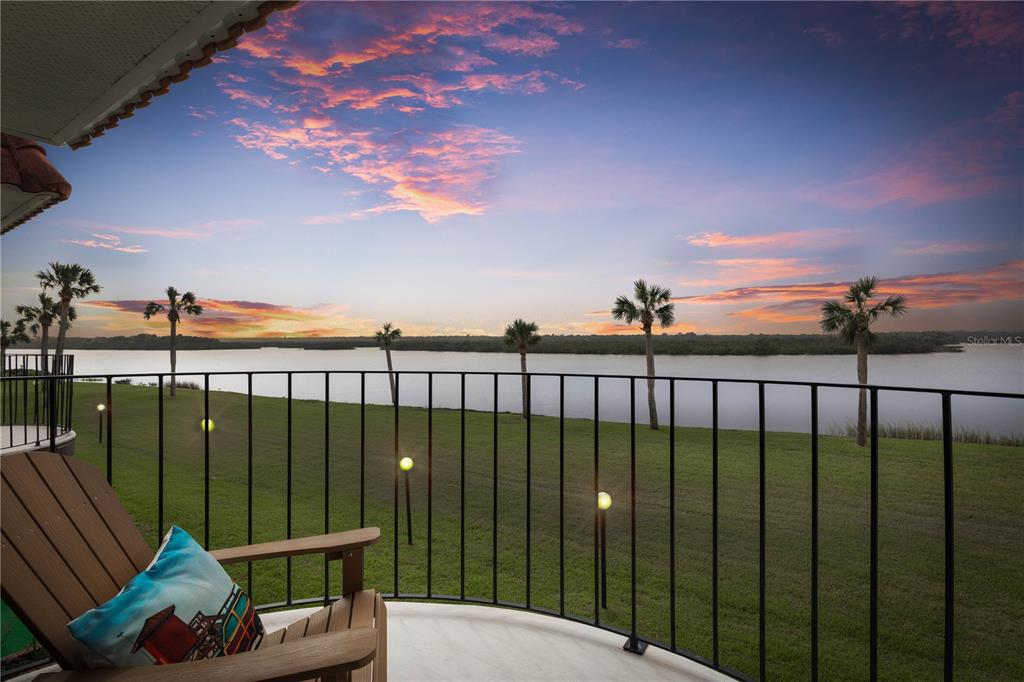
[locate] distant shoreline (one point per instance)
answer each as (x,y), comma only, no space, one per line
(625,344)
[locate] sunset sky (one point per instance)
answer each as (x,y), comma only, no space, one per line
(451,167)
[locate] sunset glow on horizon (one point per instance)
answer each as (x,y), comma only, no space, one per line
(452,166)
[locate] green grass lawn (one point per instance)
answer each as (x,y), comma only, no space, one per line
(989,529)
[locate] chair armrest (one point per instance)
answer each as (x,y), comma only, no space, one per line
(330,544)
(301,659)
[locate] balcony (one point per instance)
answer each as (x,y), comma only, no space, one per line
(723,552)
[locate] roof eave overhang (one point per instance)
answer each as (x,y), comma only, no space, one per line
(215,29)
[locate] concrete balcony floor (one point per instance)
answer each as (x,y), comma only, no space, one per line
(429,642)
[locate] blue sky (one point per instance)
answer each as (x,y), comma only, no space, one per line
(450,167)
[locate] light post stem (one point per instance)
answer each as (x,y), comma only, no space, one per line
(603,523)
(408,510)
(99,416)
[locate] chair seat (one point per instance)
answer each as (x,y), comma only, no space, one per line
(361,609)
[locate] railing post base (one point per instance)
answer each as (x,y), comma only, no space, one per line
(635,646)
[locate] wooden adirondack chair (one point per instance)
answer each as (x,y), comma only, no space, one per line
(68,545)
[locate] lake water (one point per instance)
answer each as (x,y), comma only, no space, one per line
(983,368)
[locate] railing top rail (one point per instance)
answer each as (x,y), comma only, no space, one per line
(580,375)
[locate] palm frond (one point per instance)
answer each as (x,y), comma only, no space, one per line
(666,314)
(152,308)
(624,310)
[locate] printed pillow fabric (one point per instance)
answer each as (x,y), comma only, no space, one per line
(183,607)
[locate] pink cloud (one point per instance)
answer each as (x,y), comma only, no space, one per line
(734,270)
(943,248)
(820,238)
(535,45)
(436,174)
(964,161)
(964,24)
(110,242)
(246,97)
(414,30)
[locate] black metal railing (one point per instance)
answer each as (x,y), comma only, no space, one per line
(636,639)
(37,393)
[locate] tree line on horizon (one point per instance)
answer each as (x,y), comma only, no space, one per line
(849,319)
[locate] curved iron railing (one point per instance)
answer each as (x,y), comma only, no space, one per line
(636,640)
(37,392)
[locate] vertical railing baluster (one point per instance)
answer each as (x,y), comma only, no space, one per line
(714,524)
(593,500)
(206,457)
(362,449)
(24,403)
(398,376)
(248,480)
(873,634)
(672,511)
(110,431)
(71,391)
(561,494)
(288,493)
(327,478)
(761,527)
(633,644)
(160,458)
(35,397)
(947,487)
(529,500)
(462,485)
(494,503)
(814,533)
(430,484)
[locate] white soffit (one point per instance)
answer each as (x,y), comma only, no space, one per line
(68,67)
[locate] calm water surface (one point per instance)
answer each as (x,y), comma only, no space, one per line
(985,368)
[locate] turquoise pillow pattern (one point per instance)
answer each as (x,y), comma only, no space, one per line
(183,607)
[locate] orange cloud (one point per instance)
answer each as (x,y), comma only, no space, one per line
(801,302)
(231,319)
(825,237)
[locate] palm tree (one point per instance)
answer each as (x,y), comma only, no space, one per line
(521,335)
(650,303)
(71,281)
(39,318)
(176,305)
(851,319)
(386,337)
(9,336)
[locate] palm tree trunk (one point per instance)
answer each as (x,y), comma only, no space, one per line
(44,345)
(62,330)
(174,354)
(862,400)
(651,402)
(525,380)
(391,376)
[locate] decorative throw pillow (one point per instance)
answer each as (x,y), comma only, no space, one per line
(183,607)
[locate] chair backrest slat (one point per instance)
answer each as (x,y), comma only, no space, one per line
(91,521)
(33,604)
(48,513)
(116,517)
(69,545)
